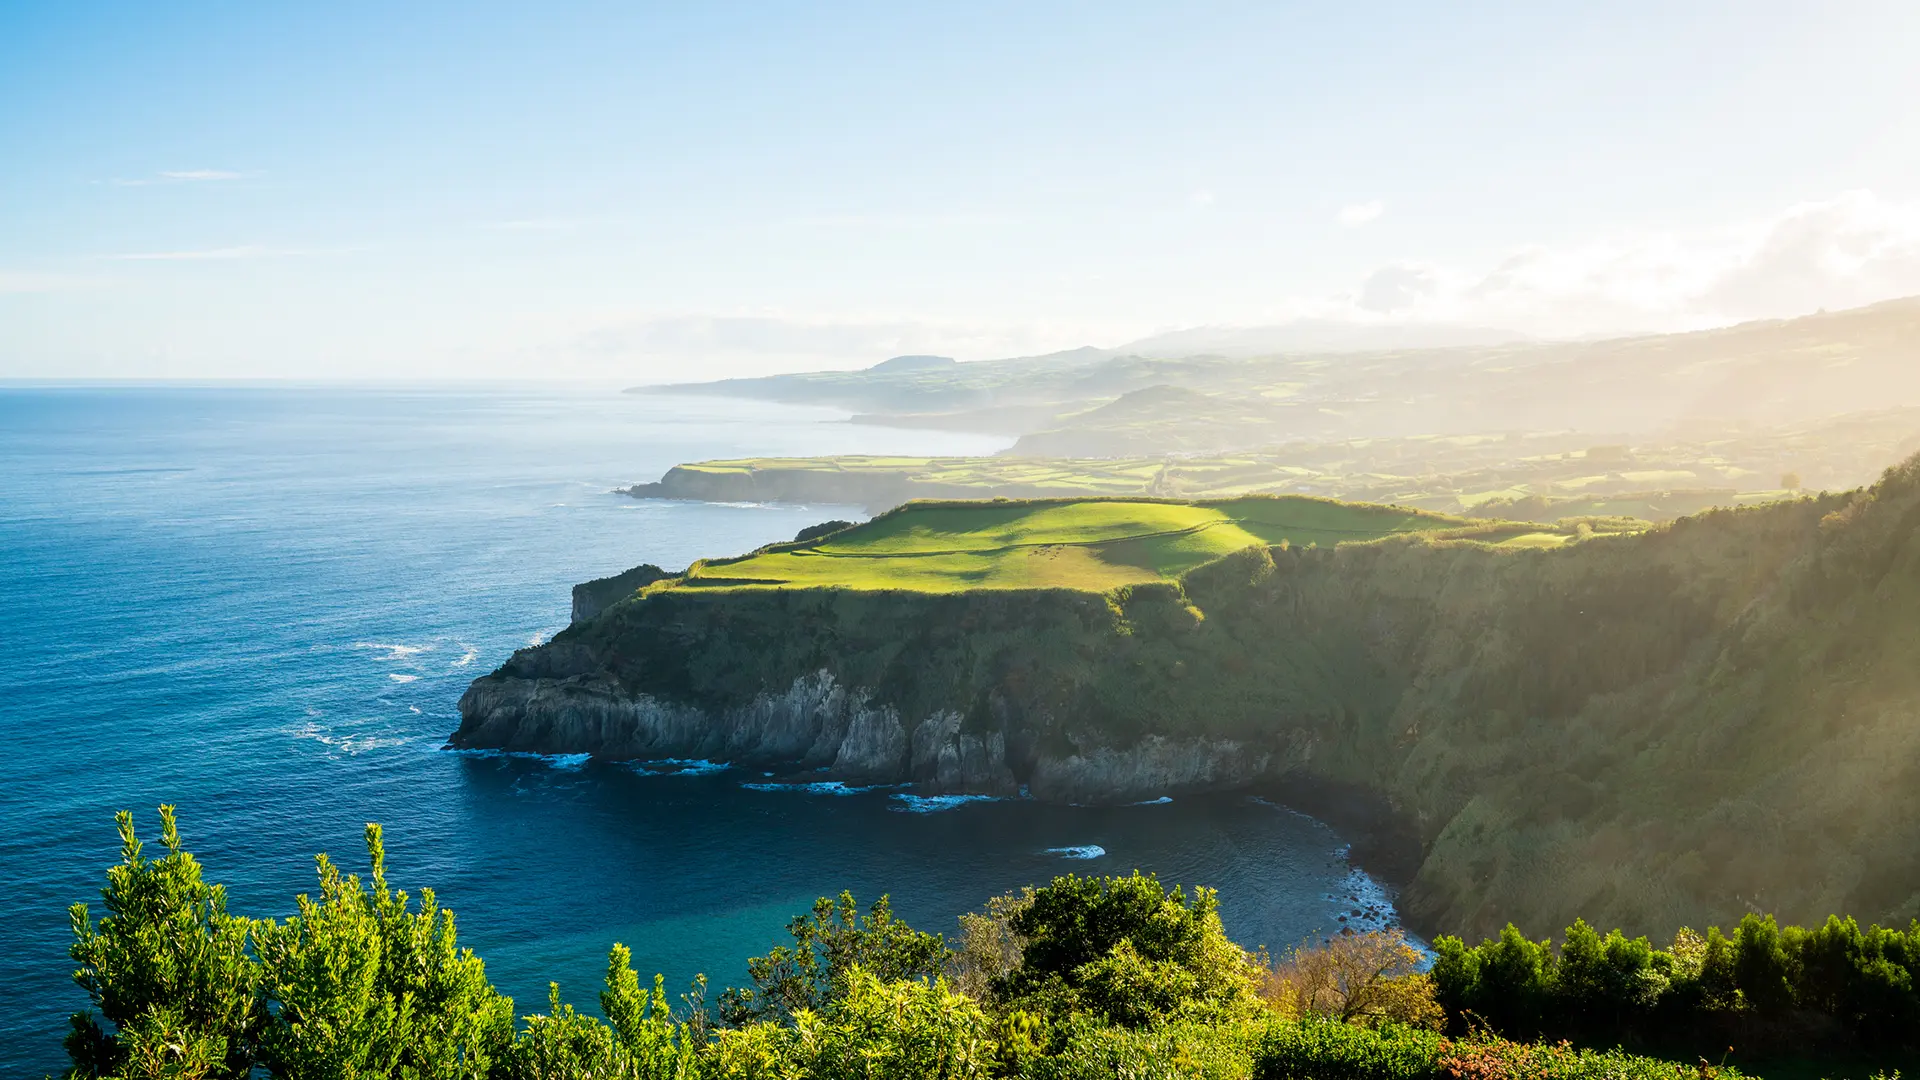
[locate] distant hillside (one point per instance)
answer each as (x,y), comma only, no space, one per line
(1536,477)
(1763,373)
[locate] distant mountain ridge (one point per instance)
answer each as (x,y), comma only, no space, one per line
(1766,373)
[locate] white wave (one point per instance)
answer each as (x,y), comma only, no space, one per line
(568,762)
(1161,801)
(538,638)
(349,743)
(403,678)
(681,767)
(415,709)
(1085,851)
(467,657)
(818,787)
(393,651)
(933,804)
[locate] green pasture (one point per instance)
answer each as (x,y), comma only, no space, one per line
(1095,544)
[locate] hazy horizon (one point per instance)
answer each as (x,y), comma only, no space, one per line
(648,195)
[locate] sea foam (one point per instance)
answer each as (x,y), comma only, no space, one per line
(933,804)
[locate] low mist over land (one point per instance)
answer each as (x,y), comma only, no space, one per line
(1650,427)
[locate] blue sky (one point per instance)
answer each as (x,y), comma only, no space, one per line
(642,192)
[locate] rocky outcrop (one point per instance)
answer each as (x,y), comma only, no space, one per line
(875,490)
(590,598)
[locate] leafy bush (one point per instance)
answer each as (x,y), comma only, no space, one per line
(166,967)
(1321,1049)
(360,982)
(873,1031)
(644,1042)
(1128,950)
(1186,1050)
(827,947)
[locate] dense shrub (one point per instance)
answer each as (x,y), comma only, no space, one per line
(362,984)
(1320,1049)
(873,1031)
(167,969)
(1768,987)
(1186,1050)
(1128,950)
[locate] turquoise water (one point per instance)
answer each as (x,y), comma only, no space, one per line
(262,604)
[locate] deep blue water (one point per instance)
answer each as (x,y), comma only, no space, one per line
(261,604)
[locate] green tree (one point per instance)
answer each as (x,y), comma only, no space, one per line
(1762,966)
(1503,982)
(1607,985)
(1129,950)
(167,968)
(827,946)
(362,984)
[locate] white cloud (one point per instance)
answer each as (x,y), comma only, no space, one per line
(1202,197)
(180,176)
(201,174)
(1359,214)
(242,252)
(1842,252)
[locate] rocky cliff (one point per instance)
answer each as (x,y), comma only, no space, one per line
(1655,730)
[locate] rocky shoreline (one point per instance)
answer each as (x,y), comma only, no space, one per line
(819,729)
(817,724)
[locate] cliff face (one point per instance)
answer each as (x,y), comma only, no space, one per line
(1653,730)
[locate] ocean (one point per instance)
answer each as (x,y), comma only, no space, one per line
(261,603)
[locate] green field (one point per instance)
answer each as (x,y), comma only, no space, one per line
(1091,544)
(1542,477)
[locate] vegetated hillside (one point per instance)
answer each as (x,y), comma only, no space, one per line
(1092,544)
(1652,730)
(1095,403)
(1532,476)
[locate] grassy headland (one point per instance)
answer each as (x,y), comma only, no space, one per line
(1087,544)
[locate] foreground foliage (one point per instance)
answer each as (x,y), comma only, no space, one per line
(1083,978)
